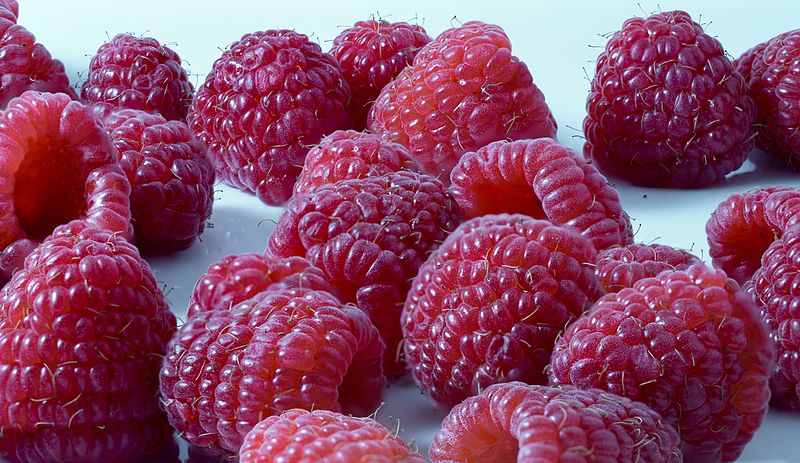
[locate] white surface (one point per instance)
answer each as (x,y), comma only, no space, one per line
(557,40)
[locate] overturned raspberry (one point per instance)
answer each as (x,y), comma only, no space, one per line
(464,90)
(689,344)
(666,108)
(544,180)
(172,179)
(269,98)
(83,327)
(622,266)
(488,305)
(301,436)
(226,370)
(347,154)
(523,423)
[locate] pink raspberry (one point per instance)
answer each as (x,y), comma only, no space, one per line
(301,436)
(544,180)
(9,10)
(269,98)
(226,370)
(171,177)
(622,266)
(464,90)
(488,305)
(371,54)
(666,108)
(138,73)
(689,344)
(347,154)
(540,424)
(83,327)
(56,165)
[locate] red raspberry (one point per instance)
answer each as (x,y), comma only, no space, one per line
(545,180)
(171,177)
(488,305)
(540,424)
(371,54)
(347,154)
(300,436)
(236,278)
(56,165)
(622,266)
(688,343)
(464,91)
(226,370)
(9,9)
(82,330)
(269,98)
(666,108)
(772,70)
(138,73)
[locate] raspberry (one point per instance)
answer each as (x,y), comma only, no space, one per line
(488,305)
(369,236)
(138,73)
(269,98)
(346,154)
(171,176)
(9,9)
(545,180)
(464,90)
(532,424)
(622,266)
(56,165)
(689,344)
(226,370)
(300,436)
(371,54)
(772,71)
(82,329)
(236,278)
(666,108)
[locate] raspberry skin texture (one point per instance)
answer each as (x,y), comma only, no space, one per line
(622,266)
(138,73)
(226,370)
(488,304)
(9,10)
(688,343)
(371,54)
(56,164)
(269,98)
(464,90)
(369,236)
(347,154)
(321,436)
(541,424)
(83,327)
(666,108)
(544,180)
(171,176)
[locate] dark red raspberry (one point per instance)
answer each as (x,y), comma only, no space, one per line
(464,91)
(138,73)
(236,278)
(301,436)
(772,70)
(172,179)
(666,108)
(371,54)
(56,165)
(688,343)
(544,180)
(83,327)
(540,424)
(269,98)
(488,305)
(226,370)
(347,154)
(622,266)
(9,9)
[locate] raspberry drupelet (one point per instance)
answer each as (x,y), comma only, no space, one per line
(622,266)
